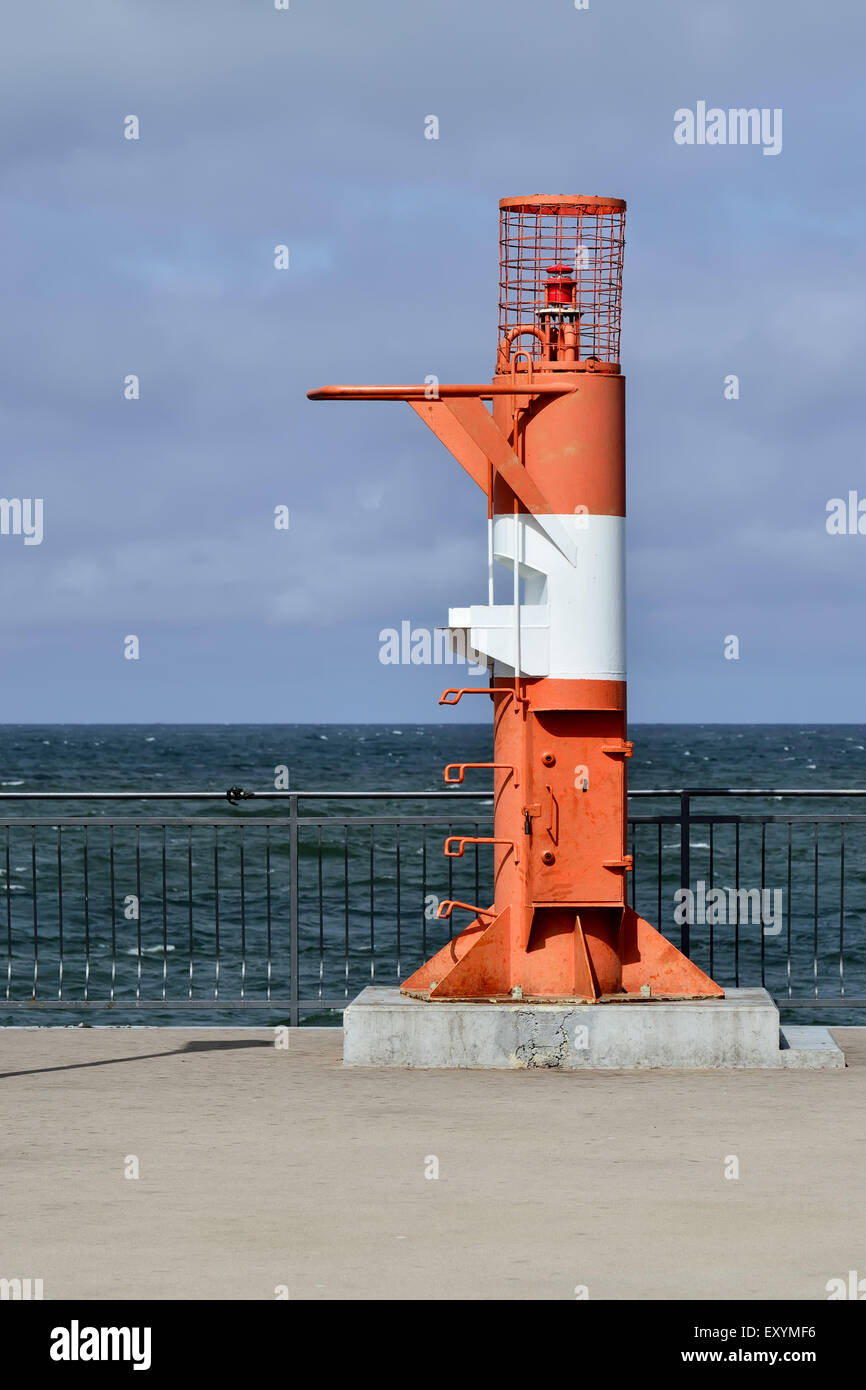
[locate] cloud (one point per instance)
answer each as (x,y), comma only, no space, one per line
(305,127)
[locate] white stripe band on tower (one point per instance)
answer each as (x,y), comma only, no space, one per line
(572,617)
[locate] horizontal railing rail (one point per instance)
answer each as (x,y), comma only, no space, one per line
(291,901)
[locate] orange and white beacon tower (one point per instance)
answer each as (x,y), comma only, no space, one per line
(550,457)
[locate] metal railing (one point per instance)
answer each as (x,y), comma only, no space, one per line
(291,902)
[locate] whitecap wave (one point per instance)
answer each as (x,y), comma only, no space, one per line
(149,950)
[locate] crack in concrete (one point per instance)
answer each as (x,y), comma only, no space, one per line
(535,1053)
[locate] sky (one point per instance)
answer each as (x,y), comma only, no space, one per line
(305,127)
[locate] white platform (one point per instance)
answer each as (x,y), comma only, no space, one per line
(383,1028)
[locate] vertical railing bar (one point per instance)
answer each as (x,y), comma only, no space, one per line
(243,915)
(216,911)
(321,922)
(737,915)
(190,893)
(685,866)
(788,908)
(842,907)
(451,880)
(712,915)
(164,920)
(113,892)
(346,900)
(8,919)
(35,913)
(399,874)
(659,870)
(60,909)
(372,909)
(138,909)
(763,882)
(423,892)
(268,904)
(294,1012)
(815,921)
(86,917)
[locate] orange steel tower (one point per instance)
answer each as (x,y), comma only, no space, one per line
(550,458)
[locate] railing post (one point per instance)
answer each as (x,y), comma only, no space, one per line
(685,865)
(294,1013)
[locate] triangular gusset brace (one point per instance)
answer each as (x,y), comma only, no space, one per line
(459,419)
(482,431)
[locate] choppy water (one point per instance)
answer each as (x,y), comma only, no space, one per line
(366,896)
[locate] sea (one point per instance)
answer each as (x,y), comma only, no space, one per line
(159,912)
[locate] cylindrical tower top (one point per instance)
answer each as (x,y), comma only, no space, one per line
(560,281)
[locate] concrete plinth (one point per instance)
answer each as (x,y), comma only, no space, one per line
(383,1028)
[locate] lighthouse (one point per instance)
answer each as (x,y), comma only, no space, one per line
(549,455)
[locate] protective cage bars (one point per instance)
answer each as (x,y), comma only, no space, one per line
(581,238)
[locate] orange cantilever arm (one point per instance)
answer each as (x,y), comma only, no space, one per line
(421,392)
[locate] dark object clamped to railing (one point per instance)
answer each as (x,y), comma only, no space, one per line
(234,795)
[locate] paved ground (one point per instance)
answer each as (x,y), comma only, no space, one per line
(260,1167)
